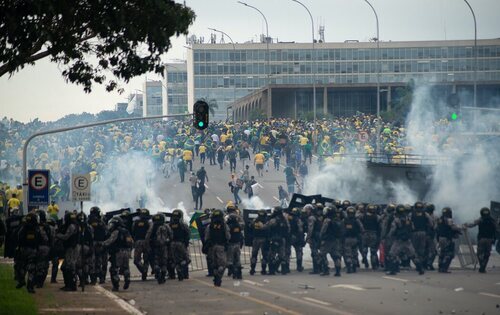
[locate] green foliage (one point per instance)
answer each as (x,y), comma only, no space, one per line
(127,37)
(402,104)
(12,300)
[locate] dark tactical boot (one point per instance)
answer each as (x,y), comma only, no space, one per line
(239,275)
(337,272)
(272,269)
(126,284)
(217,281)
(315,270)
(263,270)
(299,266)
(365,262)
(186,271)
(349,268)
(325,272)
(116,285)
(252,269)
(229,270)
(20,284)
(287,267)
(420,269)
(93,279)
(30,286)
(283,269)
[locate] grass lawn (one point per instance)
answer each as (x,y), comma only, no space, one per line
(12,300)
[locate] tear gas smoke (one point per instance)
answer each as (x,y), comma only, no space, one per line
(464,177)
(254,203)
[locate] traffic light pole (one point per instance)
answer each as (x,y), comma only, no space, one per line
(59,130)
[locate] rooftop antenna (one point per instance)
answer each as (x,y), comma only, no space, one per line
(321,32)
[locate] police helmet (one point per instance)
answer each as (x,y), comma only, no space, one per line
(308,208)
(371,208)
(360,207)
(95,211)
(329,211)
(401,209)
(351,212)
(447,212)
(144,212)
(115,222)
(82,217)
(125,214)
(418,206)
(14,211)
(485,212)
(217,214)
(429,208)
(177,214)
(231,208)
(338,203)
(295,211)
(158,218)
(391,208)
(42,216)
(31,218)
(262,213)
(277,211)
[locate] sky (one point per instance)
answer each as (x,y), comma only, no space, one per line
(40,91)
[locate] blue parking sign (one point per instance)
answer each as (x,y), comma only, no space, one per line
(38,190)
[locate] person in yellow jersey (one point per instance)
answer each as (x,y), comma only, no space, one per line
(53,210)
(13,203)
(187,156)
(203,152)
(258,161)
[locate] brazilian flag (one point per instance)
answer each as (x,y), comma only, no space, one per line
(194,227)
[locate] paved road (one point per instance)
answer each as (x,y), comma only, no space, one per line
(462,292)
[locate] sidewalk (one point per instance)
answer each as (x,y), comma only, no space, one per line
(94,300)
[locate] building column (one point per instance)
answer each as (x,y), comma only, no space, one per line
(325,101)
(269,110)
(389,98)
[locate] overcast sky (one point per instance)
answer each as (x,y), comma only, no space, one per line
(40,91)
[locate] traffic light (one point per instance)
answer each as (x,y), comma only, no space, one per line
(453,107)
(200,115)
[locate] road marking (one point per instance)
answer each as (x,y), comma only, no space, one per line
(206,186)
(124,305)
(316,301)
(276,199)
(329,309)
(253,283)
(260,185)
(394,278)
(220,200)
(72,309)
(259,301)
(489,294)
(348,286)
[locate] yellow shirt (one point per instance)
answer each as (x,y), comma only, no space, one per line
(203,149)
(187,155)
(223,138)
(263,140)
(303,140)
(13,203)
(53,210)
(259,158)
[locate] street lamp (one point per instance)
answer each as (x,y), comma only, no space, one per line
(475,52)
(314,61)
(234,73)
(378,77)
(267,39)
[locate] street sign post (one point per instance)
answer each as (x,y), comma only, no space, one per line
(38,189)
(80,187)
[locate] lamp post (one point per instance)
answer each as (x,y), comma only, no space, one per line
(475,52)
(378,77)
(314,60)
(267,39)
(234,74)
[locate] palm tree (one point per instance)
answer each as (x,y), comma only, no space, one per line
(212,104)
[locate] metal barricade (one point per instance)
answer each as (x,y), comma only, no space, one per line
(465,251)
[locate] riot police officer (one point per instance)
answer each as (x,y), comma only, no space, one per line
(430,238)
(29,239)
(119,243)
(100,233)
(42,261)
(331,240)
(69,235)
(353,229)
(387,240)
(260,241)
(279,230)
(314,223)
(446,232)
(422,223)
(236,227)
(401,231)
(296,239)
(141,246)
(487,230)
(370,239)
(179,245)
(216,239)
(87,255)
(158,237)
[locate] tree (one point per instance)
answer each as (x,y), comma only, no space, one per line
(402,105)
(257,114)
(212,104)
(88,38)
